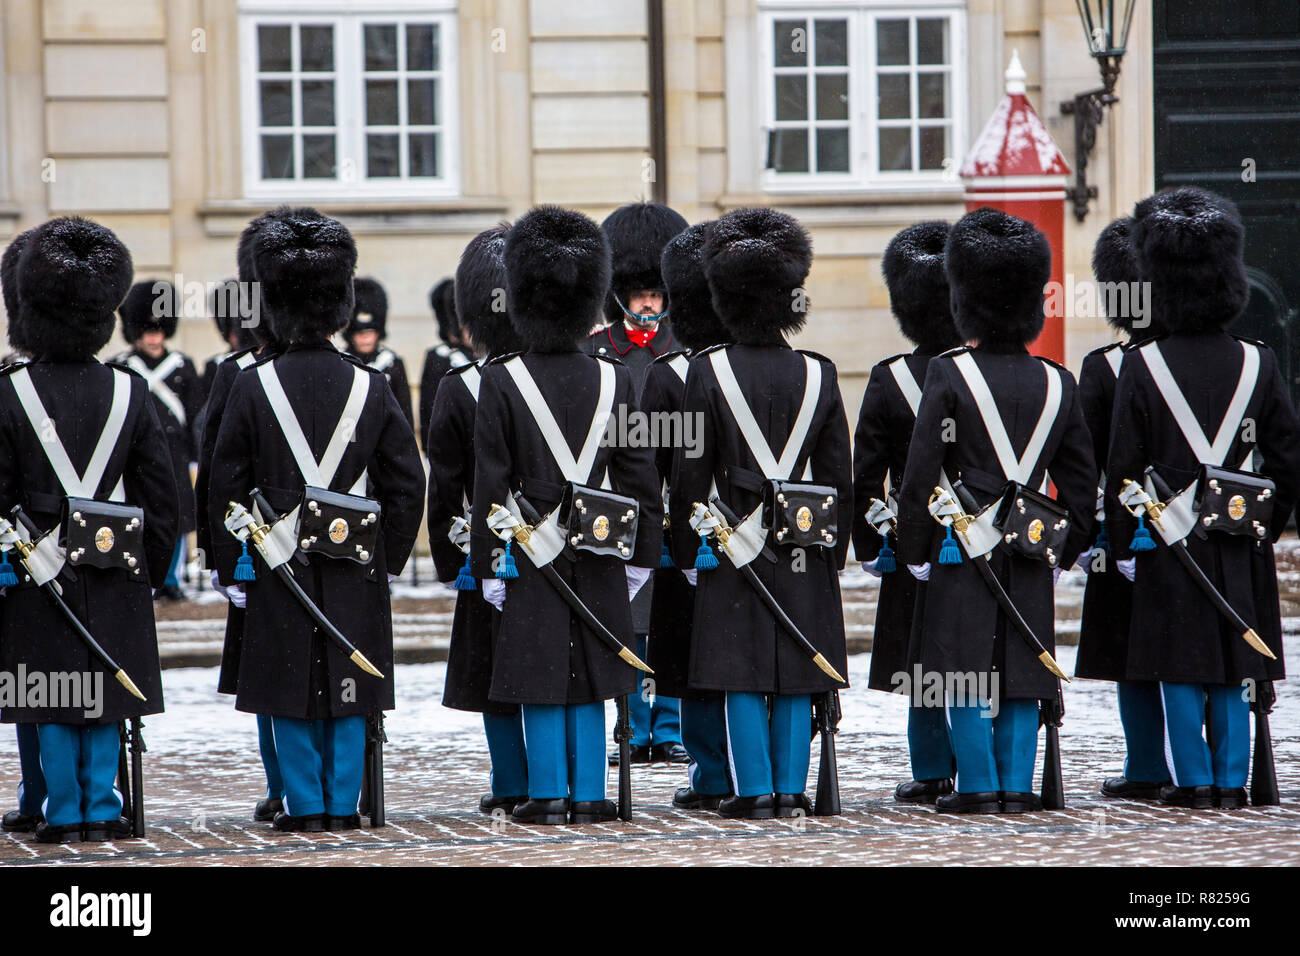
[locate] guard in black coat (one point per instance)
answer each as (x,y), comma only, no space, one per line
(672,613)
(637,307)
(365,334)
(1108,596)
(918,293)
(228,305)
(450,353)
(352,438)
(1190,398)
(149,316)
(71,275)
(450,444)
(266,345)
(547,659)
(756,261)
(992,413)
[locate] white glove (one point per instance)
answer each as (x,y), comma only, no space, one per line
(234,594)
(692,576)
(1056,575)
(1127,567)
(391,577)
(870,568)
(494,592)
(636,579)
(920,571)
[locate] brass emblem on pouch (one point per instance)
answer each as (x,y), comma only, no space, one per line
(104,540)
(1035,531)
(600,528)
(803,518)
(1236,507)
(338,531)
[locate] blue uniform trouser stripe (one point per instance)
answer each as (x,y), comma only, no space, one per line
(565,749)
(178,562)
(655,721)
(769,755)
(1143,719)
(505,740)
(79,763)
(704,735)
(321,762)
(1191,762)
(31,788)
(270,763)
(928,744)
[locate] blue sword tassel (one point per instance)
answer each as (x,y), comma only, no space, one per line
(949,553)
(1142,540)
(704,558)
(506,566)
(244,566)
(8,578)
(885,561)
(464,580)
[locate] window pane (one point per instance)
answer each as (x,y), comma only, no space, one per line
(932,41)
(273,49)
(790,150)
(833,96)
(832,150)
(277,157)
(422,102)
(381,102)
(316,49)
(832,37)
(896,149)
(932,95)
(381,155)
(934,146)
(421,52)
(894,96)
(792,97)
(381,46)
(891,42)
(318,103)
(790,42)
(277,102)
(423,158)
(318,156)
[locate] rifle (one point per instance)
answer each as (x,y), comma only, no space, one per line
(1263,774)
(1050,715)
(137,777)
(826,713)
(372,780)
(123,766)
(623,737)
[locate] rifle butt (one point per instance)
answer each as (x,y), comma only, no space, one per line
(826,802)
(624,760)
(375,768)
(1263,775)
(1053,794)
(124,767)
(137,779)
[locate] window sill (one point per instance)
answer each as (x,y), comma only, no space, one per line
(377,217)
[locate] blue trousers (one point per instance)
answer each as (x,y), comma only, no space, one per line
(928,743)
(80,767)
(31,788)
(654,721)
(769,754)
(270,763)
(321,764)
(994,753)
(505,739)
(178,563)
(565,747)
(1143,718)
(1192,762)
(704,735)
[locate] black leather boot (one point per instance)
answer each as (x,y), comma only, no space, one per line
(487,803)
(105,831)
(1121,788)
(593,811)
(1193,798)
(687,799)
(15,821)
(267,808)
(542,812)
(1013,802)
(60,833)
(793,805)
(922,791)
(1230,798)
(313,823)
(762,807)
(669,753)
(982,802)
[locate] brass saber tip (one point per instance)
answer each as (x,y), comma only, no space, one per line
(361,661)
(124,679)
(629,658)
(1050,663)
(829,671)
(1255,641)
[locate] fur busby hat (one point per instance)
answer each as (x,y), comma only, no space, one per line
(637,234)
(1114,263)
(756,261)
(918,286)
(1189,245)
(72,275)
(480,293)
(557,274)
(152,305)
(695,324)
(442,299)
(257,316)
(304,262)
(9,289)
(370,308)
(997,266)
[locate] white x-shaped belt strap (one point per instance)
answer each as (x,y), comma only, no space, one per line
(157,379)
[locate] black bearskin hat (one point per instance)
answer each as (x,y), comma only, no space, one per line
(997,267)
(481,305)
(72,275)
(557,274)
(304,262)
(1189,245)
(152,305)
(370,309)
(918,286)
(695,325)
(756,261)
(252,299)
(1114,263)
(637,234)
(442,299)
(9,289)
(230,306)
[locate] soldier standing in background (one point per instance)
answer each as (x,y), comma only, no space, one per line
(365,334)
(451,352)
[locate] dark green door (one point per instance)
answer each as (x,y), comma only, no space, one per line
(1227,117)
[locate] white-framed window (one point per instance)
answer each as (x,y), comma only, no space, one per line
(349,99)
(862,94)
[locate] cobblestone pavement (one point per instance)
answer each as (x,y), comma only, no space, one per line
(203,776)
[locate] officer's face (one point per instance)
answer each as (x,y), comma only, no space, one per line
(152,344)
(366,341)
(647,302)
